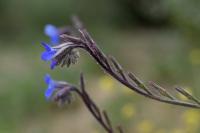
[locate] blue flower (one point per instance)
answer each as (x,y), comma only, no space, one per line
(53,33)
(51,86)
(58,91)
(48,55)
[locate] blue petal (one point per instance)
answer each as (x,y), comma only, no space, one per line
(51,86)
(46,56)
(51,30)
(48,79)
(55,39)
(49,92)
(53,64)
(46,46)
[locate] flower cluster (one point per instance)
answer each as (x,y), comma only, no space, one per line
(58,91)
(58,53)
(62,54)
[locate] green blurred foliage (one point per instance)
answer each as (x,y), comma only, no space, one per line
(156,39)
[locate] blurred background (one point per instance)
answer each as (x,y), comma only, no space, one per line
(158,40)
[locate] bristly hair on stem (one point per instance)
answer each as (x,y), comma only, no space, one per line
(110,65)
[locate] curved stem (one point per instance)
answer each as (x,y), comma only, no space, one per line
(95,52)
(116,71)
(139,90)
(94,110)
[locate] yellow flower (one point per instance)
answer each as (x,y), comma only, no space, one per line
(191,119)
(128,110)
(145,126)
(194,57)
(106,83)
